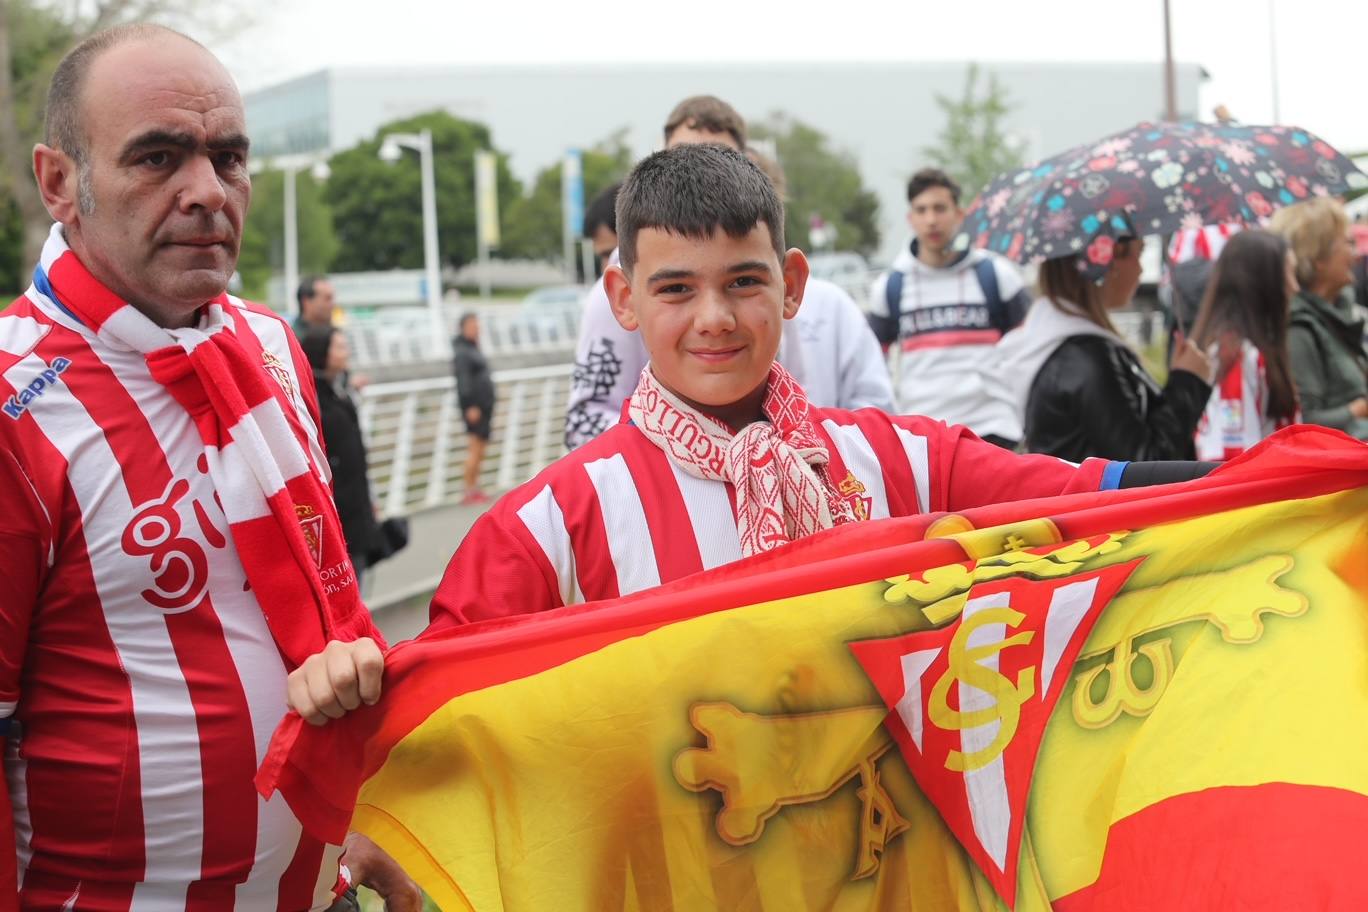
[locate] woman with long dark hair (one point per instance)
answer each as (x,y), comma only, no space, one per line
(328,352)
(1082,391)
(1244,316)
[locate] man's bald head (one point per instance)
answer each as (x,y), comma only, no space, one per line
(63,119)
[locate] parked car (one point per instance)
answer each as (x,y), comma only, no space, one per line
(549,315)
(846,269)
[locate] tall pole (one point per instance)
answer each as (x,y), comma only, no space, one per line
(1170,89)
(1273,61)
(433,278)
(291,242)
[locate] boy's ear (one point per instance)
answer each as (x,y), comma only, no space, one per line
(795,281)
(619,289)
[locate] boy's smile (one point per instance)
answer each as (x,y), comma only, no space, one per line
(710,311)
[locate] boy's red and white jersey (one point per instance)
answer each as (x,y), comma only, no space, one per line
(134,656)
(617,515)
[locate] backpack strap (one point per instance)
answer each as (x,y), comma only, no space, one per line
(893,290)
(888,328)
(986,274)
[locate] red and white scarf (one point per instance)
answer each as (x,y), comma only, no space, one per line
(777,467)
(271,489)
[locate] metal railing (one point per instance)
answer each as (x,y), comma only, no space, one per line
(417,442)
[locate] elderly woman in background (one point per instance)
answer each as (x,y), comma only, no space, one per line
(1325,339)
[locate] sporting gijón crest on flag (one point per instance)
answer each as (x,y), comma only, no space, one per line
(970,701)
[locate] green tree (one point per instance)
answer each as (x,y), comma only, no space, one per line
(974,148)
(532,228)
(12,275)
(822,181)
(32,39)
(263,235)
(34,34)
(377,206)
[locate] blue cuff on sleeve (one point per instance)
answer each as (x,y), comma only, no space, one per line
(1111,475)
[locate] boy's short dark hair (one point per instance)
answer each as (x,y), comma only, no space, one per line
(602,212)
(927,178)
(693,190)
(707,112)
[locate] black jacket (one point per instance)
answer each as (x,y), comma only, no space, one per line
(347,457)
(1092,397)
(474,385)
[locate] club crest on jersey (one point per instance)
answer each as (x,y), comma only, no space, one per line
(311,521)
(277,369)
(852,492)
(16,405)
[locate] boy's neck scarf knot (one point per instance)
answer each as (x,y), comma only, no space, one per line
(777,467)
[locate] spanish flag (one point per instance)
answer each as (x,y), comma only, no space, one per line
(1145,699)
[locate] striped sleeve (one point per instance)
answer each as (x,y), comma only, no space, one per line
(508,564)
(25,539)
(966,472)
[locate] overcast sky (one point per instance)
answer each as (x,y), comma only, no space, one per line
(1322,45)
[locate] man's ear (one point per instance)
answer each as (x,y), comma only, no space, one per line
(58,183)
(795,281)
(619,289)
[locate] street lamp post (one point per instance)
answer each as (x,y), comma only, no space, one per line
(390,152)
(289,167)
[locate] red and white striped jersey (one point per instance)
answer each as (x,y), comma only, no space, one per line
(1205,243)
(134,656)
(617,516)
(1236,415)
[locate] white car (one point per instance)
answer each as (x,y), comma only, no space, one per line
(847,269)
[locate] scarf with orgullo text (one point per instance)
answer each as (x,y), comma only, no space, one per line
(777,466)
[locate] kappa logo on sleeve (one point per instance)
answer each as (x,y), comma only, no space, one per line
(16,405)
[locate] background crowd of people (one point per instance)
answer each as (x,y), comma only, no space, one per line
(1271,332)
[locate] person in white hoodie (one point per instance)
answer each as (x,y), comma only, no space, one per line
(1078,388)
(945,309)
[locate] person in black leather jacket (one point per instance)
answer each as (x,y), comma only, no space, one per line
(328,352)
(1082,390)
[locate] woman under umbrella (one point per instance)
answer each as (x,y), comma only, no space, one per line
(328,352)
(1244,316)
(1326,337)
(1081,390)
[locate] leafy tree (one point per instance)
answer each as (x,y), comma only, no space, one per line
(12,274)
(263,235)
(34,34)
(822,182)
(974,148)
(377,206)
(532,228)
(32,40)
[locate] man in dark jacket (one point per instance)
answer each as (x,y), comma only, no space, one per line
(475,393)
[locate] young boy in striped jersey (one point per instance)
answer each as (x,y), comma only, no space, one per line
(719,455)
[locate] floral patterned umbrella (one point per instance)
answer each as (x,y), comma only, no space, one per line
(1152,179)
